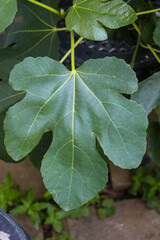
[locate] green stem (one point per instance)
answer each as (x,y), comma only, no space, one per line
(46,7)
(149,11)
(72,51)
(136,28)
(135,51)
(142,45)
(69,52)
(60,29)
(153,52)
(148,45)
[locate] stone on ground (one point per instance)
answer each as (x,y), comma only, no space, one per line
(25,175)
(121,179)
(132,221)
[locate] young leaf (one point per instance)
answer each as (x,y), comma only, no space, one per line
(8,182)
(19,210)
(8,9)
(35,218)
(154,141)
(87,17)
(148,94)
(78,107)
(30,196)
(65,236)
(57,224)
(80,212)
(38,206)
(33,31)
(156,34)
(101,213)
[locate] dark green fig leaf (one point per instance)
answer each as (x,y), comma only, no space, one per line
(154,141)
(33,32)
(147,28)
(8,9)
(156,34)
(8,97)
(78,107)
(87,17)
(148,94)
(3,153)
(5,69)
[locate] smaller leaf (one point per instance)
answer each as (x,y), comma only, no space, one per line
(61,214)
(147,29)
(101,213)
(48,220)
(14,194)
(3,205)
(65,236)
(8,182)
(80,212)
(108,203)
(110,211)
(47,196)
(38,206)
(51,209)
(57,224)
(148,94)
(26,203)
(149,180)
(30,196)
(88,17)
(34,216)
(19,210)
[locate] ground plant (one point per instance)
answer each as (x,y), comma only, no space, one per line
(60,114)
(146,184)
(44,211)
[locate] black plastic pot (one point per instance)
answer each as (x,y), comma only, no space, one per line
(10,230)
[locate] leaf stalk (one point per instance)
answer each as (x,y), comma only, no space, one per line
(60,29)
(72,51)
(147,12)
(69,52)
(148,45)
(46,7)
(142,45)
(135,51)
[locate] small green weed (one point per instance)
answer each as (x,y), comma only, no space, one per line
(9,195)
(146,184)
(45,210)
